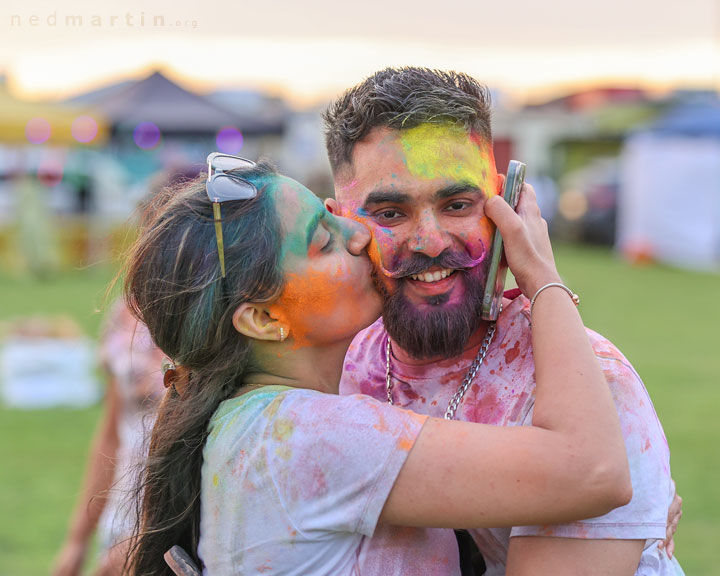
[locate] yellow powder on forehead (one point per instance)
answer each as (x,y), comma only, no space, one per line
(435,151)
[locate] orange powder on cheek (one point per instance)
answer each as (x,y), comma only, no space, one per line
(309,297)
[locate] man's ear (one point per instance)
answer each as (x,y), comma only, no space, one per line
(254,321)
(500,184)
(331,205)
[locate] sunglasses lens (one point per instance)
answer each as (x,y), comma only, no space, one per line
(224,187)
(225,163)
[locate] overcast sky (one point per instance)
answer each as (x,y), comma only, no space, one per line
(313,48)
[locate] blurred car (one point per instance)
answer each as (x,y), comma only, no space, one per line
(587,207)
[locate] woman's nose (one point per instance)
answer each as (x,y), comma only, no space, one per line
(358,237)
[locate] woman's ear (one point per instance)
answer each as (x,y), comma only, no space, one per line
(253,321)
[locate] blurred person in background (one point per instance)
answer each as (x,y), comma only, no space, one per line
(132,366)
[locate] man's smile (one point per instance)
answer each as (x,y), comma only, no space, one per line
(432,282)
(432,274)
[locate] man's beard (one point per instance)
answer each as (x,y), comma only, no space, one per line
(438,328)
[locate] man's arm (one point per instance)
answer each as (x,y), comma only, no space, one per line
(538,556)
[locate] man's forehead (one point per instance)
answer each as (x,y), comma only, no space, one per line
(386,159)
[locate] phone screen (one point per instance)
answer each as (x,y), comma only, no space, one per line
(495,285)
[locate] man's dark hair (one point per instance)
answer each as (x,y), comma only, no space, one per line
(403,98)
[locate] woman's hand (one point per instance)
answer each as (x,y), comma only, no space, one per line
(526,240)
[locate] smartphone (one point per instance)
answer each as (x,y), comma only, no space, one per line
(495,285)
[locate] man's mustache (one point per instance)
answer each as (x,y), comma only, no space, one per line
(416,263)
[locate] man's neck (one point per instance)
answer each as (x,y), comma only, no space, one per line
(406,358)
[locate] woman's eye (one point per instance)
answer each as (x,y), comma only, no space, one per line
(329,245)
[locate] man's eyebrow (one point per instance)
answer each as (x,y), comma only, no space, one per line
(458,188)
(313,224)
(386,196)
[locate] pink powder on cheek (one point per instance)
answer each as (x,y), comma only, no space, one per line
(349,186)
(478,244)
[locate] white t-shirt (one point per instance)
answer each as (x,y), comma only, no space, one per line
(294,481)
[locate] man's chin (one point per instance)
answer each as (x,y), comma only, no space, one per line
(435,325)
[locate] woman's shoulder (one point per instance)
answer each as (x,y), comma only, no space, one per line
(265,407)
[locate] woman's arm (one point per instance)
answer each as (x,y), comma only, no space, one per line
(98,480)
(570,464)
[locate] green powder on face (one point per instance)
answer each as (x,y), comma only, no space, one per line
(443,151)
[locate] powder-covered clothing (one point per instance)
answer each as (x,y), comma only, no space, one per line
(503,393)
(294,481)
(132,360)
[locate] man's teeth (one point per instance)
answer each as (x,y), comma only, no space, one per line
(432,276)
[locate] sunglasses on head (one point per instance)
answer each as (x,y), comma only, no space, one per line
(223,186)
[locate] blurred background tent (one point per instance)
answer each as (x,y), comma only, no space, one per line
(157,124)
(669,206)
(170,107)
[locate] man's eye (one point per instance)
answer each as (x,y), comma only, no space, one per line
(388,214)
(458,206)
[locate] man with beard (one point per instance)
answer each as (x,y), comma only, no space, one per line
(411,153)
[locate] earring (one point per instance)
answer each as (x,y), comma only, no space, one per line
(282,334)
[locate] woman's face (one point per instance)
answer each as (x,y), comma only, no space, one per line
(329,294)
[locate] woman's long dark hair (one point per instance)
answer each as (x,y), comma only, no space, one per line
(173,284)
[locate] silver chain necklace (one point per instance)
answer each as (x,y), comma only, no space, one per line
(469,377)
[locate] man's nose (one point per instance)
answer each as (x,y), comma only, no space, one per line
(429,237)
(358,237)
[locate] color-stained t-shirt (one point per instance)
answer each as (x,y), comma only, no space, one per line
(294,481)
(503,393)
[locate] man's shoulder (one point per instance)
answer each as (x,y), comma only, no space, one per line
(516,321)
(364,364)
(369,340)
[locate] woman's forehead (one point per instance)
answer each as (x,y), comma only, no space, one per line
(297,207)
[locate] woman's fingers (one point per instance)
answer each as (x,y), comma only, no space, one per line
(527,244)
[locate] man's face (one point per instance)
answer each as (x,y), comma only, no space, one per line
(422,192)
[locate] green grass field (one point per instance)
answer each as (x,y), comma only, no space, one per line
(665,321)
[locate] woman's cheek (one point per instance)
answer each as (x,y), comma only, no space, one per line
(312,299)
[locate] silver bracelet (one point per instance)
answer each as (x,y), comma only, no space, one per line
(574,297)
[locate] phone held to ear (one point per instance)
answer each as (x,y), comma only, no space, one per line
(495,285)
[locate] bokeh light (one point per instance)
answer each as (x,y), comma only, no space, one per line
(146,135)
(84,129)
(229,140)
(37,130)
